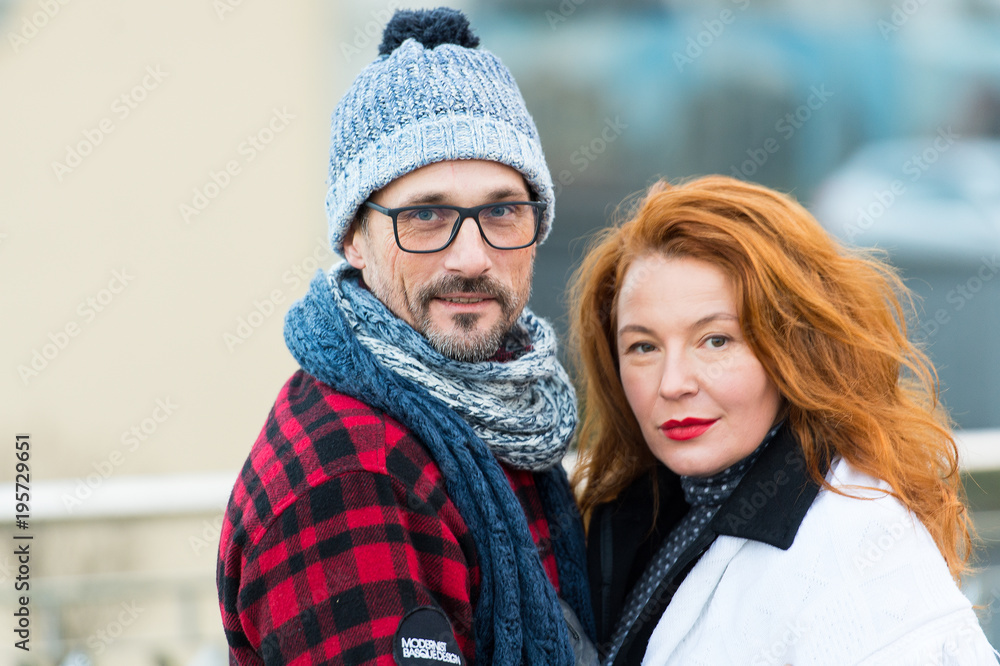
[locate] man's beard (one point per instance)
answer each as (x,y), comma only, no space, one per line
(463,345)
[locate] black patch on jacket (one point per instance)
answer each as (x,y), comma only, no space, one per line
(425,638)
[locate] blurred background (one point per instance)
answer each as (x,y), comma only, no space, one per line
(161,204)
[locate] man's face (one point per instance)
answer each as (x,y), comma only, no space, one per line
(466,297)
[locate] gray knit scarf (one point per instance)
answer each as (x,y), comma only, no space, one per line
(523,409)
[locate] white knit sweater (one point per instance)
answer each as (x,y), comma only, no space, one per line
(863,583)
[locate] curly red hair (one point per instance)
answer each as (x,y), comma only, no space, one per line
(827,323)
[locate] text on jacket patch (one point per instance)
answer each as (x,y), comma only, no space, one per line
(422,648)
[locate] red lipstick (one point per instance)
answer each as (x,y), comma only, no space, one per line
(686,428)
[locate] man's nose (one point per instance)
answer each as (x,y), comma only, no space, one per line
(468,254)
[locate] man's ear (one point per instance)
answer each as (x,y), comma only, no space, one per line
(354,250)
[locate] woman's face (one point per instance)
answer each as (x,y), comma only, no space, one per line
(701,397)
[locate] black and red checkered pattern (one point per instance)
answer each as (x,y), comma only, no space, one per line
(338,525)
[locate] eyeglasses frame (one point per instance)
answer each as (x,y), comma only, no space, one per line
(463,215)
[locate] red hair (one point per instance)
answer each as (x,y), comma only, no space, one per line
(825,321)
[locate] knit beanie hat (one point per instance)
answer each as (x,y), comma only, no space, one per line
(430,96)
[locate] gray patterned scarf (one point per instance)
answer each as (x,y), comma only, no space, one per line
(523,409)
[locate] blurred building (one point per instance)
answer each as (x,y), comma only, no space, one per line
(784,94)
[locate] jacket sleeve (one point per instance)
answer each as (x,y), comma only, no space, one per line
(335,572)
(955,639)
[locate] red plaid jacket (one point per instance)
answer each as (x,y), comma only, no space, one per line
(339,524)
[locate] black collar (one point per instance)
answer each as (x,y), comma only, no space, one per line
(772,499)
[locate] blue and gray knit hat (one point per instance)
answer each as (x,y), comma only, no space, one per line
(430,96)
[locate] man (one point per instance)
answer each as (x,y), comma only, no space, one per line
(405,499)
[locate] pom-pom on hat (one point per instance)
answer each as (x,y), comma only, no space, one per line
(430,96)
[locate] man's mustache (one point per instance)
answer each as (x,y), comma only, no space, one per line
(479,285)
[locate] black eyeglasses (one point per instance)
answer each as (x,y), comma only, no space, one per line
(505,225)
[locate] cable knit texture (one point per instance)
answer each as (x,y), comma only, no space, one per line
(424,103)
(863,583)
(518,619)
(523,409)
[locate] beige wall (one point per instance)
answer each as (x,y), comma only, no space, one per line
(159,95)
(186,284)
(66,234)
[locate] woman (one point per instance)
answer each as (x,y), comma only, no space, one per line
(767,473)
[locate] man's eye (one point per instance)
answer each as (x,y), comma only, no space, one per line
(422,215)
(500,211)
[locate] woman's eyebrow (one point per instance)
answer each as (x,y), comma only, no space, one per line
(707,319)
(634,328)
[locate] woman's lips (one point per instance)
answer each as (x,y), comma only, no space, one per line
(686,428)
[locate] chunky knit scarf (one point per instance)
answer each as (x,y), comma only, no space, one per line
(342,335)
(525,409)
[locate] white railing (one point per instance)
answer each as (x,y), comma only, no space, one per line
(195,634)
(979,450)
(199,493)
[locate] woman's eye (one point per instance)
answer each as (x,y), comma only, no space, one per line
(641,347)
(716,341)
